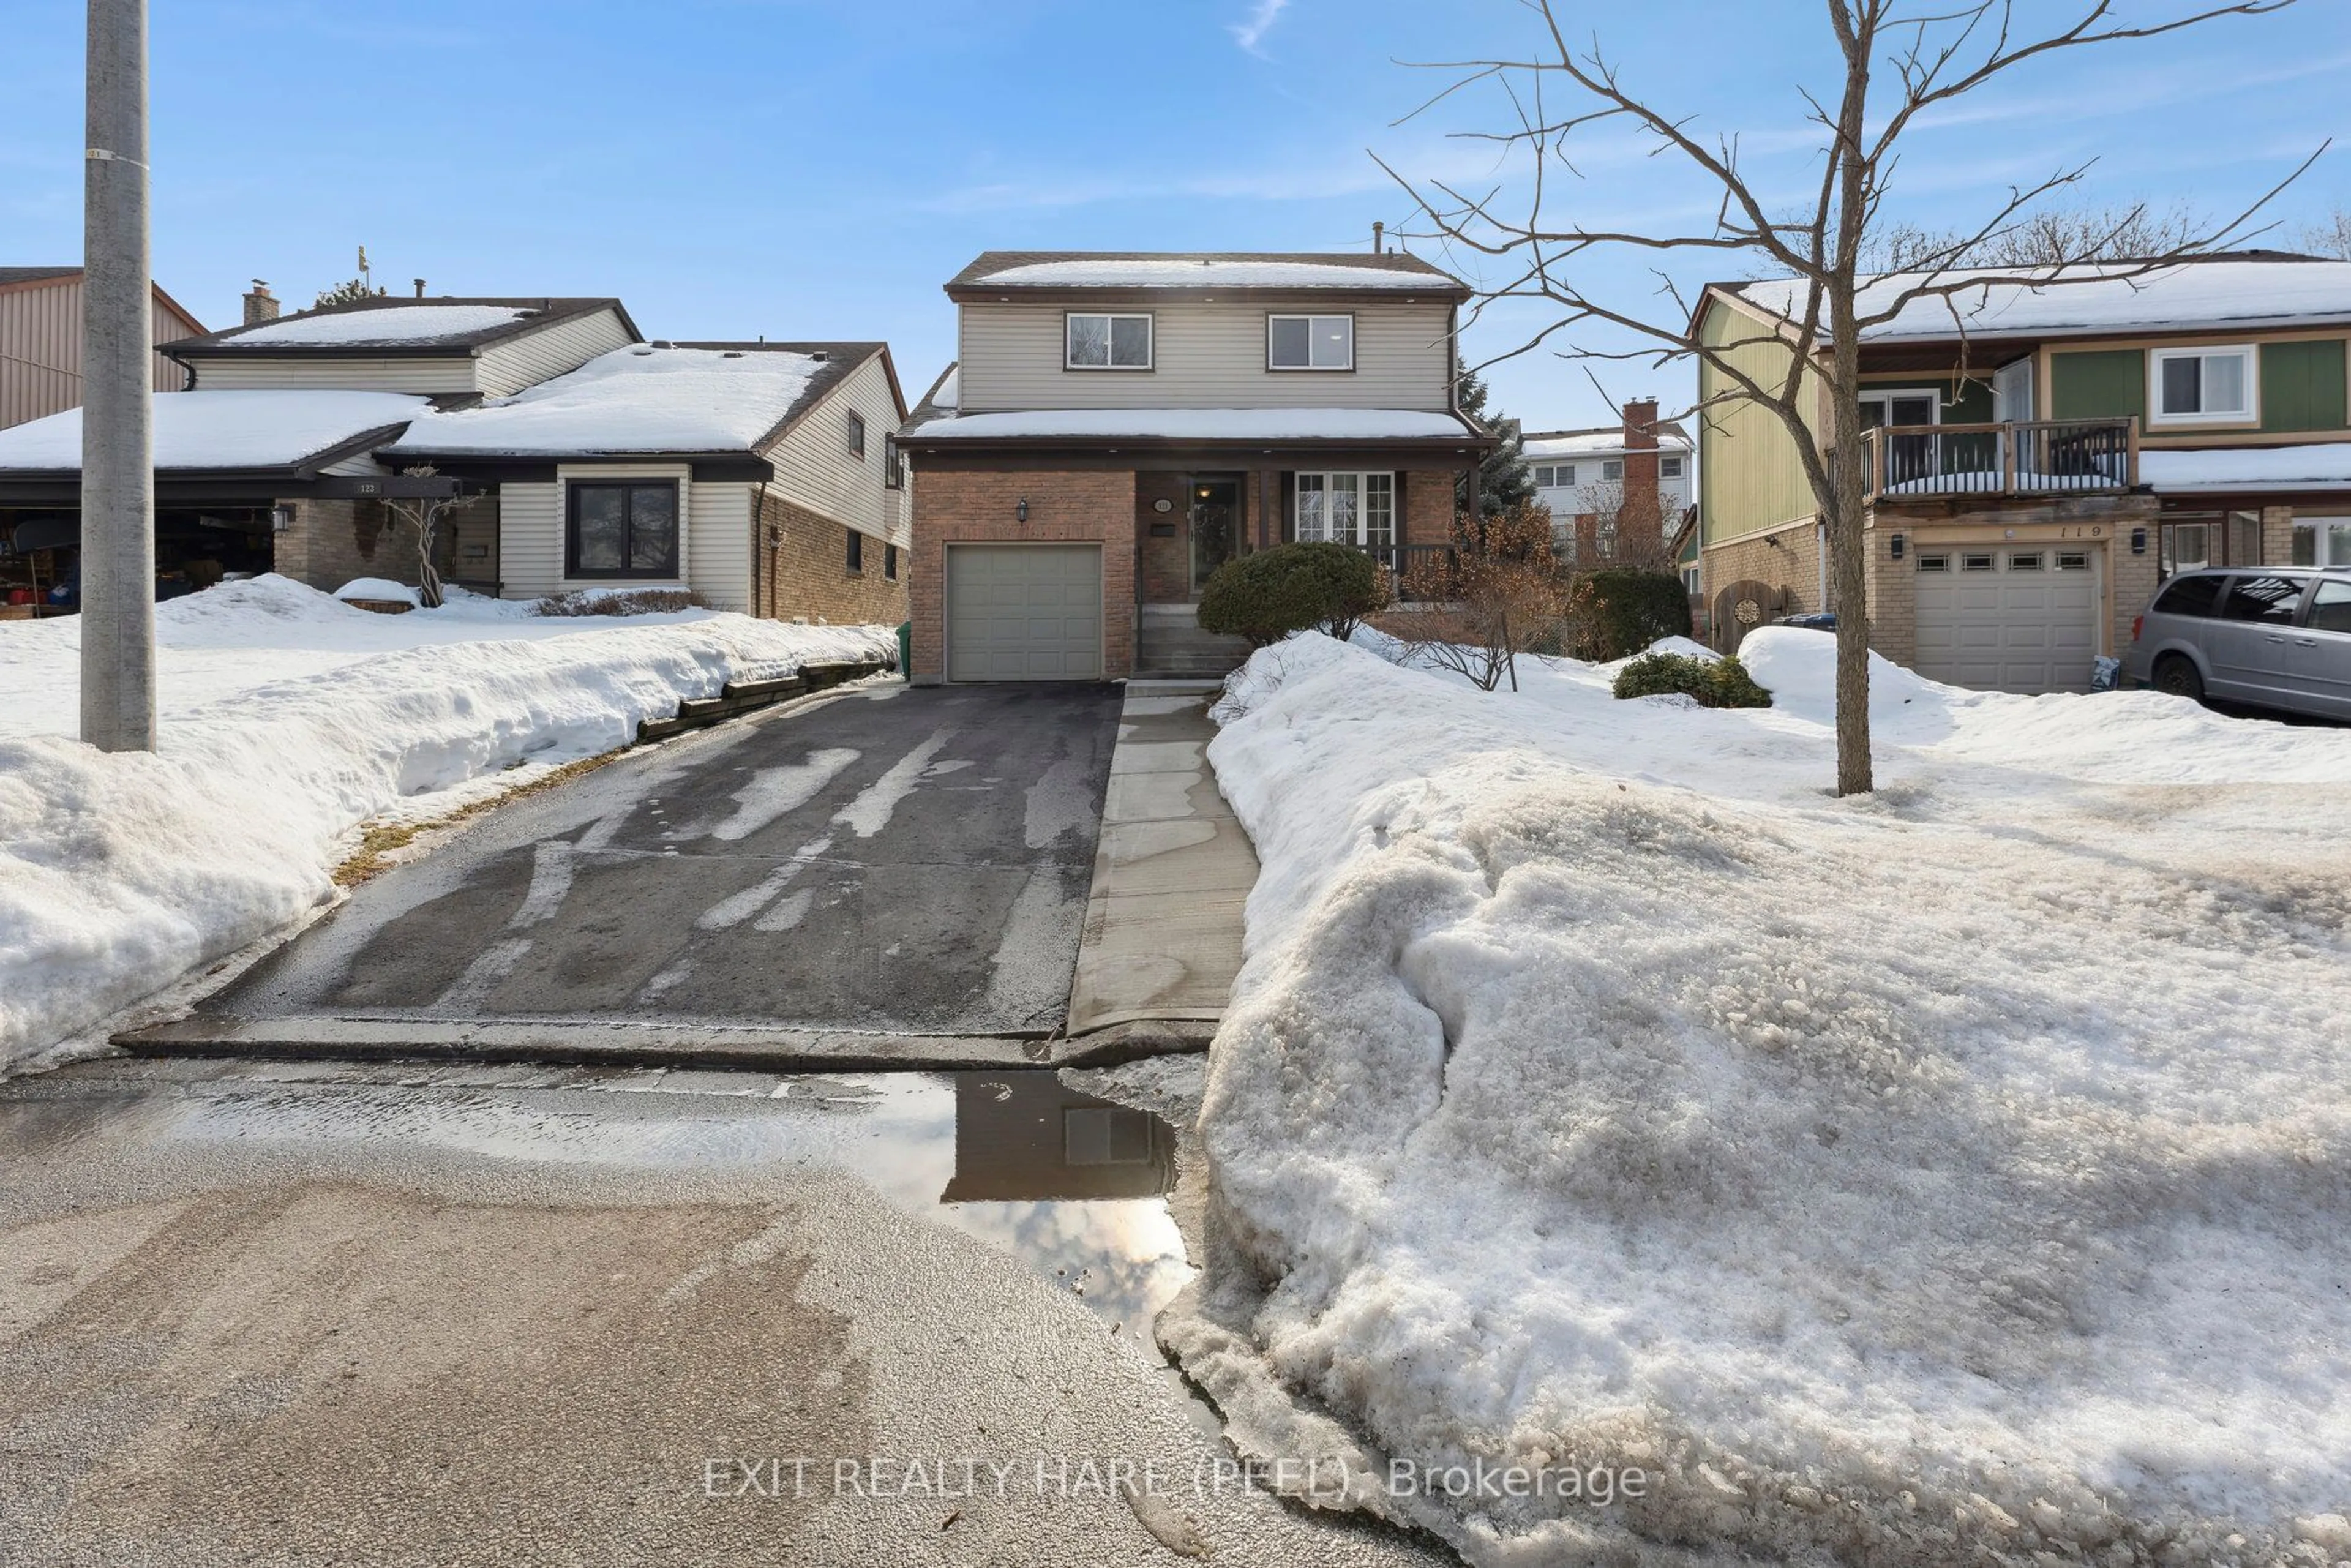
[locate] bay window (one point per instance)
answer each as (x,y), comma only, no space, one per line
(1345,508)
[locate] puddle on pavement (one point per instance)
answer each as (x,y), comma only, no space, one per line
(1073,1186)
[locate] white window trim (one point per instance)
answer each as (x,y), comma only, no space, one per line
(1150,339)
(1310,319)
(1363,511)
(2249,415)
(1665,457)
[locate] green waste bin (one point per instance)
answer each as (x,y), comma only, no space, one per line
(905,649)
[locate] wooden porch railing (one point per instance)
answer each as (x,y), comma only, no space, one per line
(2015,457)
(1414,569)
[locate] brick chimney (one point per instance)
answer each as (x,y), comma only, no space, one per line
(261,305)
(1641,518)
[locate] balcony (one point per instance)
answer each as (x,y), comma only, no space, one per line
(2041,458)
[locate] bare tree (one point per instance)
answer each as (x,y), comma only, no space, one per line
(426,513)
(1897,63)
(2053,237)
(2331,237)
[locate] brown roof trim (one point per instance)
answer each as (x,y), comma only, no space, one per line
(13,279)
(911,441)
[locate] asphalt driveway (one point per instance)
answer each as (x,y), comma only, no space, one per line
(886,860)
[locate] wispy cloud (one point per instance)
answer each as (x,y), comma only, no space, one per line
(1260,19)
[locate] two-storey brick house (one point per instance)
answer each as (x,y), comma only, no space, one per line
(1116,427)
(2040,457)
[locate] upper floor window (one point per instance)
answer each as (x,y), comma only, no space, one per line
(857,436)
(1612,470)
(622,530)
(1669,467)
(1554,476)
(894,464)
(1107,342)
(1310,342)
(2201,384)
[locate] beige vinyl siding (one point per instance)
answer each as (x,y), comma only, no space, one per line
(1206,354)
(41,350)
(506,368)
(530,540)
(358,463)
(1754,473)
(718,532)
(398,375)
(814,468)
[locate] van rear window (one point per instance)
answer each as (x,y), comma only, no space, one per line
(2190,596)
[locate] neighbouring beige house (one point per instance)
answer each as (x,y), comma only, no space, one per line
(1117,425)
(2041,456)
(759,476)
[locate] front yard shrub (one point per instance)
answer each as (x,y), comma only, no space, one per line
(1622,610)
(615,601)
(1714,683)
(1267,596)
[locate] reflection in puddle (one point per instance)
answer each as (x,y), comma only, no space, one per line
(1072,1186)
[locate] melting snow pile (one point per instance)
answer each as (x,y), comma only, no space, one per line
(1954,1174)
(288,719)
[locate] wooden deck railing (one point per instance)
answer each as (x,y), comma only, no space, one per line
(2015,457)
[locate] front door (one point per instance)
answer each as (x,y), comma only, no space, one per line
(1216,517)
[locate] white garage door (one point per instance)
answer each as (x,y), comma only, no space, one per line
(2009,619)
(1024,612)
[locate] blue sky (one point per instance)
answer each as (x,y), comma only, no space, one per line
(816,169)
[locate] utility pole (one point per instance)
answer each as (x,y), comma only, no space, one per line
(118,446)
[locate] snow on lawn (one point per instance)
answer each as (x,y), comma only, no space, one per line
(289,718)
(1955,1171)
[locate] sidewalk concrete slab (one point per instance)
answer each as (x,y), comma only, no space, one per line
(1172,871)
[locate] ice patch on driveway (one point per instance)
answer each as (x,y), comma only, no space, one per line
(870,813)
(735,909)
(773,792)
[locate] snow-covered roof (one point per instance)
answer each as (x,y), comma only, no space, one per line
(2321,466)
(224,429)
(2055,302)
(1203,269)
(1595,443)
(948,393)
(1199,424)
(387,324)
(638,398)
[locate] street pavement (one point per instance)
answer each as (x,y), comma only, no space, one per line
(289,1313)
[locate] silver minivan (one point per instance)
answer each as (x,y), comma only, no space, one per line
(2273,636)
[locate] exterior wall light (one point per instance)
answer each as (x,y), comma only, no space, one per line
(1020,509)
(2138,541)
(281,520)
(1895,546)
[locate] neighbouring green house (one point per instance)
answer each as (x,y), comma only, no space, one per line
(2040,456)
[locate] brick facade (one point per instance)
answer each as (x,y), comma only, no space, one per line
(976,506)
(1166,562)
(804,571)
(1428,506)
(1787,559)
(333,541)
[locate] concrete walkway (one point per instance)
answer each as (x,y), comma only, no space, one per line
(1171,870)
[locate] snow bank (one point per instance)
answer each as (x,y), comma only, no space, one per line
(380,589)
(119,873)
(1953,1174)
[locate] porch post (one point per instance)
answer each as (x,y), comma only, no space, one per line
(1269,502)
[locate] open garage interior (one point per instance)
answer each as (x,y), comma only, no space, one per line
(1024,612)
(40,554)
(2009,617)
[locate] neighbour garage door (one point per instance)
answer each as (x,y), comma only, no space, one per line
(2008,619)
(1024,612)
